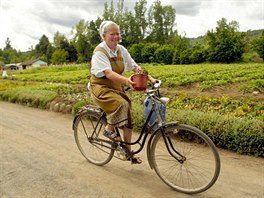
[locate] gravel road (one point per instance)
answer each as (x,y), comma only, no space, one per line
(39,158)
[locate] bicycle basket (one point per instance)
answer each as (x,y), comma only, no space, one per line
(153,119)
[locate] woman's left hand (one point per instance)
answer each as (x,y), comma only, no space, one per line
(138,69)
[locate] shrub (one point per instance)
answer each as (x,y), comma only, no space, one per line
(135,51)
(245,136)
(164,54)
(148,52)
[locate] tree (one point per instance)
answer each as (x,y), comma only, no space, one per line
(61,42)
(81,41)
(8,44)
(180,45)
(164,54)
(43,46)
(148,52)
(59,56)
(226,44)
(58,39)
(135,51)
(258,45)
(9,54)
(140,19)
(161,20)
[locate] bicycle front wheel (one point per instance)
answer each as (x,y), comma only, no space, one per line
(185,159)
(88,133)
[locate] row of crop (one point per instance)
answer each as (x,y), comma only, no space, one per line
(223,104)
(209,76)
(250,76)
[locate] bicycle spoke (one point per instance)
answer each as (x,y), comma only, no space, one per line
(199,163)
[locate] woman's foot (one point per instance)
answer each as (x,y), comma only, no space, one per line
(135,160)
(112,135)
(130,156)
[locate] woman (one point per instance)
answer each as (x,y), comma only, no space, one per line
(109,61)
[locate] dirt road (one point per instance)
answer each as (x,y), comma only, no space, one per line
(39,158)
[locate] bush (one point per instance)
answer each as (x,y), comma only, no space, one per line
(241,135)
(31,97)
(135,51)
(164,54)
(77,106)
(148,52)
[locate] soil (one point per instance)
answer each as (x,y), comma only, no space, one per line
(230,90)
(39,158)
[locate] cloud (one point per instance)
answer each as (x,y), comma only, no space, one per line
(188,8)
(25,21)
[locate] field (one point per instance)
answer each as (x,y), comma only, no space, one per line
(227,98)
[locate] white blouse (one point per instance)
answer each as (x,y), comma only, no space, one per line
(100,61)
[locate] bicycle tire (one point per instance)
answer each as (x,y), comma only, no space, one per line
(89,144)
(201,166)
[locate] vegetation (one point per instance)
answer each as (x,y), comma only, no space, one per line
(233,123)
(150,36)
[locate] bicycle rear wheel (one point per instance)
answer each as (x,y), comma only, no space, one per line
(198,164)
(88,133)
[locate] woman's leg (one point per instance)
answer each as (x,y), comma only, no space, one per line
(110,133)
(109,127)
(127,136)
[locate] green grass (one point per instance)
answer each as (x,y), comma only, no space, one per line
(205,75)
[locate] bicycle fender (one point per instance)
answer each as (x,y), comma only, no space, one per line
(84,110)
(149,147)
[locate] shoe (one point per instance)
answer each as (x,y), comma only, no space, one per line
(112,135)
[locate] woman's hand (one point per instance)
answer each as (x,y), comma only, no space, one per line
(152,80)
(138,69)
(130,83)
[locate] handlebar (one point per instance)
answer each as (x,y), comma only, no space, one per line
(157,84)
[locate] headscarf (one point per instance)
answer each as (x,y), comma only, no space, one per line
(104,26)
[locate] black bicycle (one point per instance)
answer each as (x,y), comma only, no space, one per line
(183,156)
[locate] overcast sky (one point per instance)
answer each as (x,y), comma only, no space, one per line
(25,21)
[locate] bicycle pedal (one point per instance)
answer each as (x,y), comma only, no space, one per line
(114,145)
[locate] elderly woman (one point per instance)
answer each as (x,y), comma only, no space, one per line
(109,61)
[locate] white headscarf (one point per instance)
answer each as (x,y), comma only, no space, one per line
(104,26)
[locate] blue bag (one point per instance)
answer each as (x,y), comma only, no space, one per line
(147,108)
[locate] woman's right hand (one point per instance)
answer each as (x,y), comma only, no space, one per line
(130,83)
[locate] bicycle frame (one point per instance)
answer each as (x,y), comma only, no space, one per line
(145,131)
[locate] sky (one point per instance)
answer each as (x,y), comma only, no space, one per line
(25,21)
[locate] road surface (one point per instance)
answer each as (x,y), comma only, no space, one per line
(39,158)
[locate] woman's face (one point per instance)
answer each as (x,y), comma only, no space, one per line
(112,36)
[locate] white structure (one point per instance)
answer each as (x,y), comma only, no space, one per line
(33,64)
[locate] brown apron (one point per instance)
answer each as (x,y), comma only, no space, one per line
(106,93)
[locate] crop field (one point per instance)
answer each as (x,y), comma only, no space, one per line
(226,101)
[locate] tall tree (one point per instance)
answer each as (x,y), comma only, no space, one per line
(58,39)
(8,44)
(140,19)
(161,20)
(258,45)
(226,44)
(81,41)
(42,47)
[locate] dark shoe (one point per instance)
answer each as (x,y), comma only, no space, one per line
(112,135)
(131,157)
(135,160)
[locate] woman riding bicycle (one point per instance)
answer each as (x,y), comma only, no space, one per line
(109,61)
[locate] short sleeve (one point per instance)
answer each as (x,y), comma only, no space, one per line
(129,62)
(100,63)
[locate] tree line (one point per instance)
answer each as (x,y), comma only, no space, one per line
(150,37)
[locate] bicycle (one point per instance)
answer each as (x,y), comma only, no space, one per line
(182,156)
